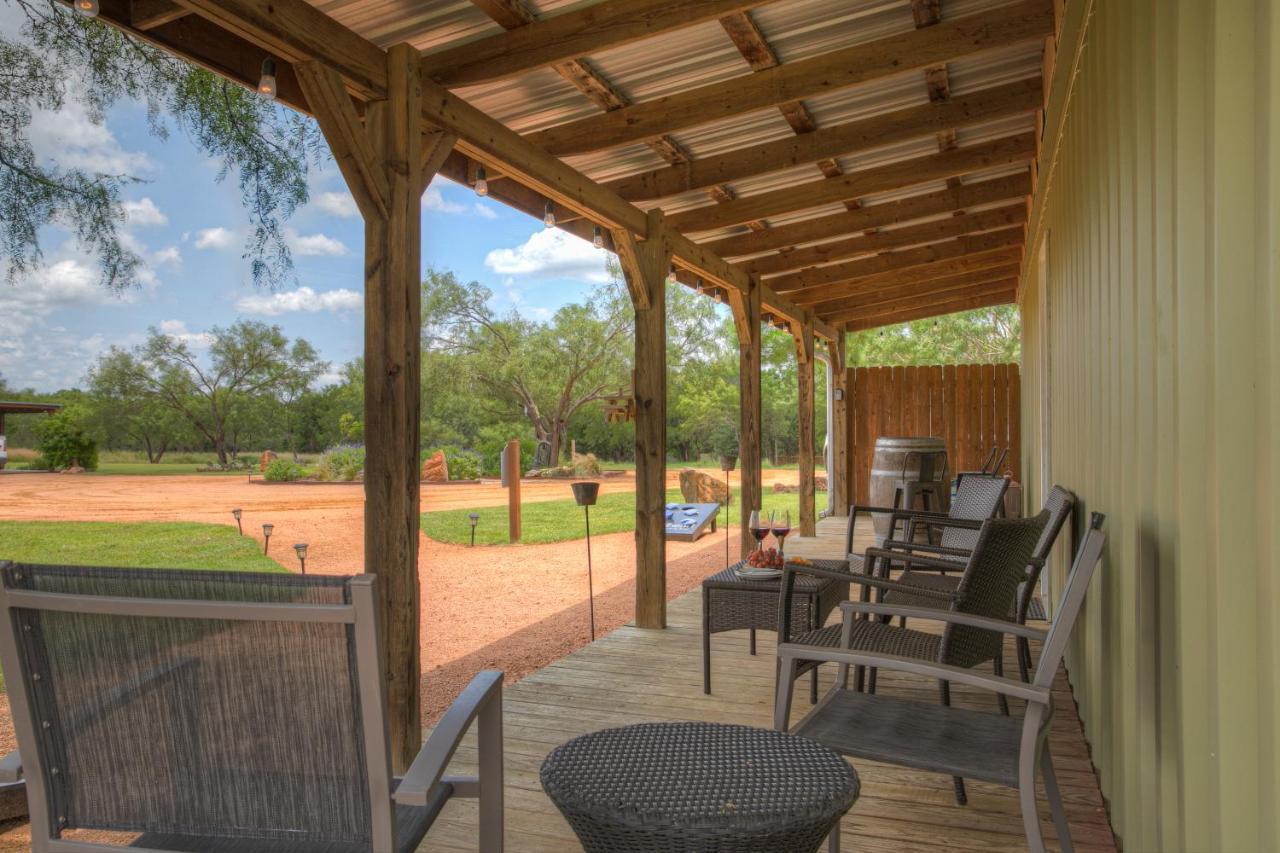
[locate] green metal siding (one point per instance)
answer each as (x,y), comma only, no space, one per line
(1161,329)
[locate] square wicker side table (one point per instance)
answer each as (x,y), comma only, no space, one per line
(730,603)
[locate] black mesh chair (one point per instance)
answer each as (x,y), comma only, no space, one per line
(221,712)
(1005,750)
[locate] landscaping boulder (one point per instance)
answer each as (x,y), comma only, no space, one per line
(586,466)
(435,469)
(73,469)
(268,456)
(699,487)
(819,485)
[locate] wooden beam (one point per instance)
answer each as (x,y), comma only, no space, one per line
(642,260)
(1006,189)
(437,145)
(803,333)
(149,14)
(807,287)
(855,305)
(569,35)
(746,320)
(896,238)
(648,272)
(841,140)
(887,178)
(968,303)
(838,439)
(825,298)
(839,69)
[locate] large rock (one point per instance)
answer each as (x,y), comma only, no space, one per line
(699,487)
(268,456)
(586,465)
(435,469)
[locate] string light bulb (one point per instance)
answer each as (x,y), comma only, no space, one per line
(701,288)
(719,296)
(671,275)
(549,216)
(597,237)
(482,182)
(267,82)
(87,8)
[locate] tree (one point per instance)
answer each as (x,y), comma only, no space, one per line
(65,439)
(970,337)
(126,406)
(300,372)
(548,371)
(59,55)
(226,397)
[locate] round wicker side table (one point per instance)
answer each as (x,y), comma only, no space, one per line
(698,788)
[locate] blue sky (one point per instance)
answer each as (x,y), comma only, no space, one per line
(191,231)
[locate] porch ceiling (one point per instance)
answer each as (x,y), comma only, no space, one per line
(810,143)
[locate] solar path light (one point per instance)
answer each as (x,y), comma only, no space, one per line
(301,550)
(266,536)
(237,512)
(475,519)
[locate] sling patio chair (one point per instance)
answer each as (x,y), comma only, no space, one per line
(960,742)
(221,712)
(987,589)
(1058,504)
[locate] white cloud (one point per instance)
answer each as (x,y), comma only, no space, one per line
(315,245)
(215,238)
(483,212)
(304,299)
(169,256)
(177,329)
(73,140)
(551,253)
(144,212)
(339,204)
(433,199)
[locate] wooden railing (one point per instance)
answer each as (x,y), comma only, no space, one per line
(973,407)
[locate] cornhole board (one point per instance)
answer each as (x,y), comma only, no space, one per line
(690,522)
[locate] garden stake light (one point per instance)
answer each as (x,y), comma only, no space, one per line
(266,536)
(301,550)
(475,519)
(237,512)
(585,494)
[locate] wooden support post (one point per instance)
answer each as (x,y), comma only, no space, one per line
(511,469)
(746,319)
(838,473)
(645,264)
(382,161)
(803,333)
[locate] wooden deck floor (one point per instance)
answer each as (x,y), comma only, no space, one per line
(635,675)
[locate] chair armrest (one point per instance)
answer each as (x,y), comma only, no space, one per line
(11,768)
(483,694)
(788,653)
(969,619)
(898,511)
(921,546)
(823,571)
(913,559)
(899,586)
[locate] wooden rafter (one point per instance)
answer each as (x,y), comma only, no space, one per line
(893,176)
(565,37)
(1011,99)
(839,69)
(882,241)
(876,297)
(986,299)
(823,300)
(149,14)
(1004,189)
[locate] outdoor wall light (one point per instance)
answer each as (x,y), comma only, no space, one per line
(597,237)
(267,82)
(837,394)
(88,8)
(549,215)
(585,494)
(301,550)
(237,512)
(266,536)
(482,183)
(475,519)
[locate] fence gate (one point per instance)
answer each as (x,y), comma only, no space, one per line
(973,407)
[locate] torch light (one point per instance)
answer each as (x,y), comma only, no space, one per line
(585,494)
(237,512)
(301,550)
(475,519)
(266,536)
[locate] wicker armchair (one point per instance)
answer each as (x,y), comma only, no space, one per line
(1058,504)
(961,743)
(987,589)
(221,712)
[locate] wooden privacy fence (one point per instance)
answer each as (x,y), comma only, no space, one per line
(973,407)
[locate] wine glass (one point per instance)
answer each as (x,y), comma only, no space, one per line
(759,528)
(781,526)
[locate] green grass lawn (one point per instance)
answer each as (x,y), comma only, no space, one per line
(149,545)
(161,468)
(558,521)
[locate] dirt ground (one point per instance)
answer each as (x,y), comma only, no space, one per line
(514,608)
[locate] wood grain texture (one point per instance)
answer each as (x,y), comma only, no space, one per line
(746,319)
(838,473)
(853,306)
(804,425)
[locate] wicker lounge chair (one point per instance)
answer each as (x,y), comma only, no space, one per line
(923,736)
(1058,504)
(987,589)
(221,712)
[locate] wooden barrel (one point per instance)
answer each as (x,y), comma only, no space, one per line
(887,469)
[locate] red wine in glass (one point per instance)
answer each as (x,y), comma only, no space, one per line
(781,527)
(759,529)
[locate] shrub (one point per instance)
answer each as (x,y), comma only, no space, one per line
(283,471)
(464,466)
(342,464)
(64,441)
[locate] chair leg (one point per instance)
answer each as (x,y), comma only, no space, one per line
(871,681)
(753,641)
(813,686)
(1027,799)
(833,839)
(1055,801)
(944,693)
(997,664)
(860,678)
(1024,659)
